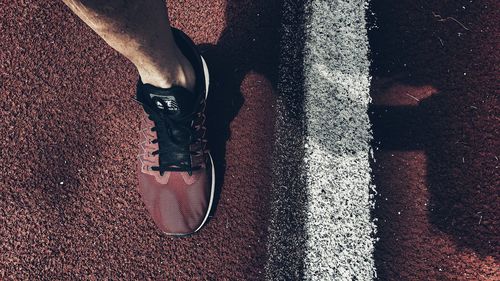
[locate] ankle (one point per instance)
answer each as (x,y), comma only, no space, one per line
(178,73)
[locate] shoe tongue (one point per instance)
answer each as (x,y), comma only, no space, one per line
(177,101)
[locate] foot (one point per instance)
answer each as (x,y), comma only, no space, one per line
(176,173)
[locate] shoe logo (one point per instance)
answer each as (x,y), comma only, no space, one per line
(169,101)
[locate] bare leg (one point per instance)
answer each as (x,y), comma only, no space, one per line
(140,30)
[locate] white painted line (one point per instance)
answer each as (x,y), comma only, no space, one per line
(339,228)
(320,224)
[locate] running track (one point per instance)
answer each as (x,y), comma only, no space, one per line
(69,208)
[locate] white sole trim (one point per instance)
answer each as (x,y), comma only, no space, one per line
(212,195)
(207,76)
(212,189)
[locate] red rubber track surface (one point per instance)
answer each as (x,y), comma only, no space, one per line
(68,200)
(436,125)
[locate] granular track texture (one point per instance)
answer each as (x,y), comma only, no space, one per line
(435,122)
(68,200)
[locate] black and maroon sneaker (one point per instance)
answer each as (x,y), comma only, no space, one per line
(176,171)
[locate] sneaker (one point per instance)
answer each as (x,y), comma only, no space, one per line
(176,171)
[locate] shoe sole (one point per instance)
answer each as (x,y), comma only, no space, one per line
(212,190)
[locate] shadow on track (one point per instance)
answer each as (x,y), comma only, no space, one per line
(419,44)
(243,48)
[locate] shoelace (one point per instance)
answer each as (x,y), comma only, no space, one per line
(167,143)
